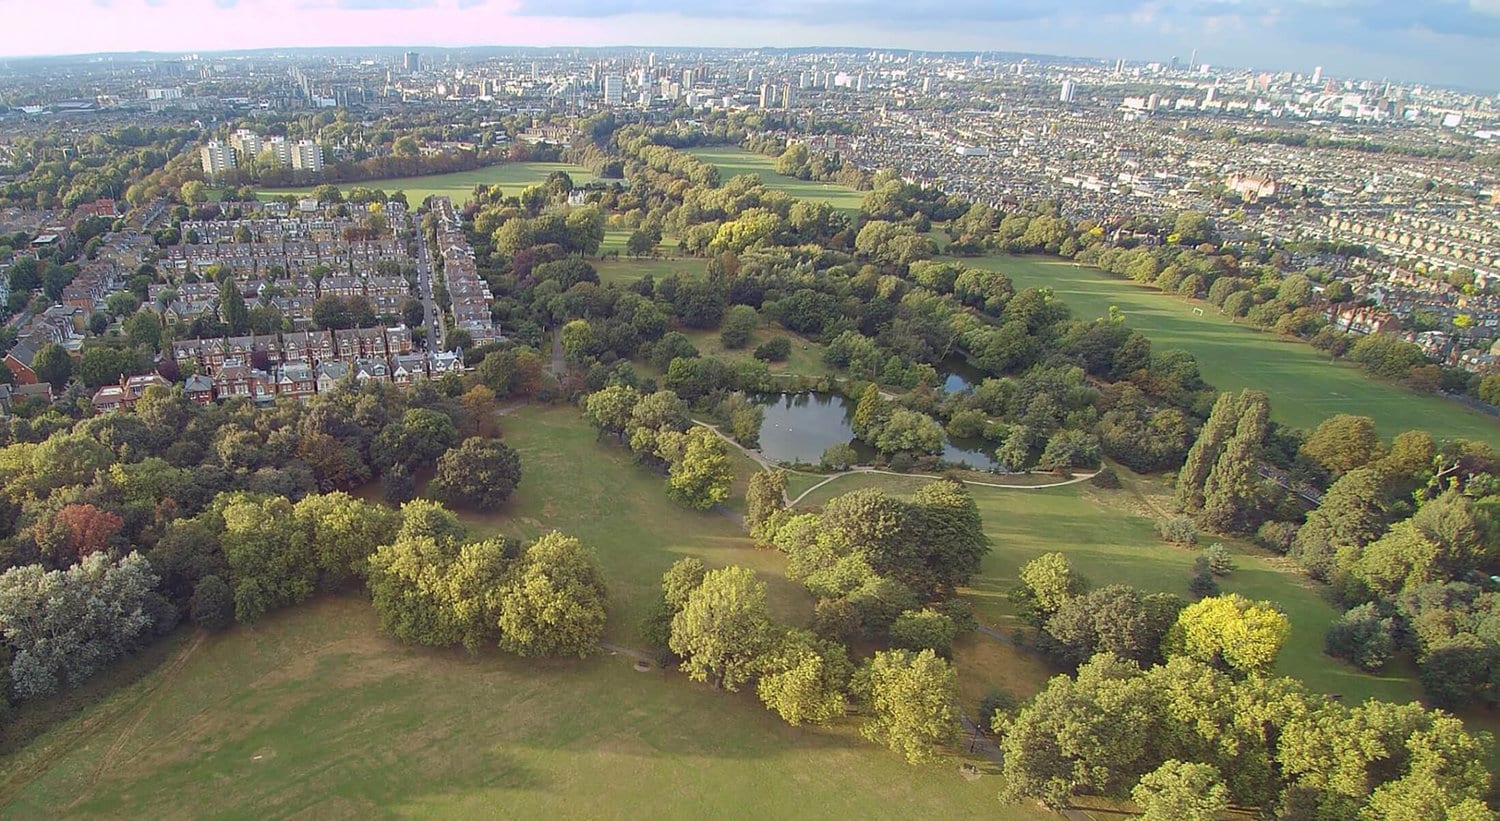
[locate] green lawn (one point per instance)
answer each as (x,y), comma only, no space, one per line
(511,177)
(313,712)
(1304,385)
(733,162)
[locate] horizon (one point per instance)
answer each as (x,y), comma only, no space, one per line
(1365,39)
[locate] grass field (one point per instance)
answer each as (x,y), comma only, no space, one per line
(1304,386)
(511,177)
(313,712)
(733,162)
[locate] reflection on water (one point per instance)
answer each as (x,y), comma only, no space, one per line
(800,426)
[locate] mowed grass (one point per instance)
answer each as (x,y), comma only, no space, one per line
(626,269)
(459,186)
(733,162)
(1305,387)
(313,712)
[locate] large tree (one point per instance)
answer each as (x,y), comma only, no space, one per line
(803,678)
(553,604)
(1181,791)
(910,699)
(701,478)
(1342,443)
(1232,631)
(479,474)
(723,629)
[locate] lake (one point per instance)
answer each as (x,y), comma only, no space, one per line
(800,426)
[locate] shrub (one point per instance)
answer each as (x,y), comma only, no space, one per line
(924,630)
(1178,530)
(1216,560)
(996,707)
(1362,637)
(212,606)
(838,457)
(1203,585)
(1106,478)
(774,350)
(1276,536)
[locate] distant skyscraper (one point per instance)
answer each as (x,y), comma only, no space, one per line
(217,158)
(1069,90)
(687,79)
(412,62)
(926,85)
(1193,60)
(767,96)
(786,96)
(614,89)
(859,84)
(1120,66)
(1317,75)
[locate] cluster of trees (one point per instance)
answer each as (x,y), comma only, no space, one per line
(881,568)
(430,587)
(219,513)
(658,430)
(1188,739)
(717,624)
(60,169)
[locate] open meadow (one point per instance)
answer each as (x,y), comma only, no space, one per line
(314,712)
(1305,387)
(510,176)
(733,162)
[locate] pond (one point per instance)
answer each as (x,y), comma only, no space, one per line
(958,375)
(800,426)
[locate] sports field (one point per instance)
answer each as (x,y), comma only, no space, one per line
(1305,386)
(511,177)
(733,162)
(314,713)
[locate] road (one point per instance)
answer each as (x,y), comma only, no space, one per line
(430,314)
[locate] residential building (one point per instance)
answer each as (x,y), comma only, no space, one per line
(217,158)
(307,156)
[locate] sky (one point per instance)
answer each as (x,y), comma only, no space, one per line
(1455,42)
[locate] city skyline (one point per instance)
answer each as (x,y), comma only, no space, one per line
(1364,38)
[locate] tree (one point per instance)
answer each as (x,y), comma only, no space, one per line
(194,192)
(75,531)
(553,605)
(232,309)
(739,324)
(1046,583)
(610,408)
(1091,733)
(1234,493)
(53,365)
(1342,443)
(924,629)
(212,606)
(144,328)
(775,349)
(910,700)
(1115,619)
(803,678)
(1231,631)
(271,560)
(1205,452)
(723,629)
(343,531)
(63,626)
(1363,637)
(478,473)
(838,457)
(1216,560)
(765,497)
(701,478)
(1181,791)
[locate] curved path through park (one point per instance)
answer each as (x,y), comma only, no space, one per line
(770,467)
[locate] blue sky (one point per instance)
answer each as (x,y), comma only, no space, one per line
(1450,41)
